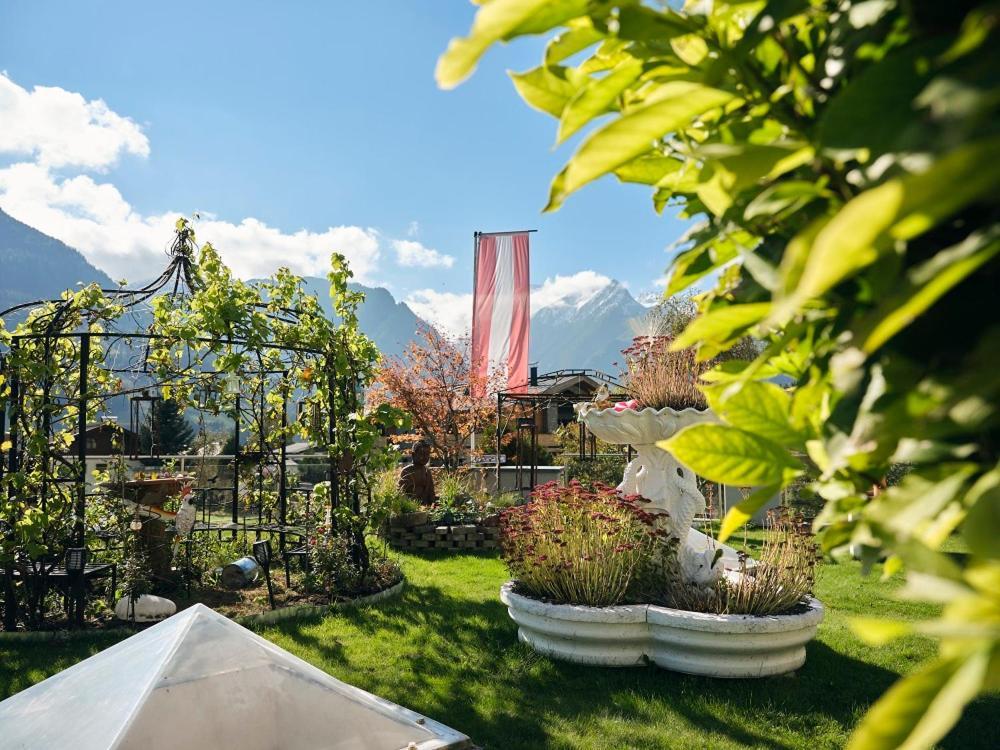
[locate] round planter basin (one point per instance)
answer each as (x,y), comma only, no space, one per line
(600,636)
(731,645)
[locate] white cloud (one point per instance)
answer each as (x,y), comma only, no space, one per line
(413,229)
(413,254)
(450,312)
(59,128)
(97,220)
(50,129)
(568,291)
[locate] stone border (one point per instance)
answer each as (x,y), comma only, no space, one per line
(248,621)
(732,646)
(458,537)
(312,610)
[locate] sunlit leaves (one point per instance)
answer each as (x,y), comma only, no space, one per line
(596,98)
(731,456)
(897,210)
(548,88)
(633,134)
(919,709)
(759,407)
(498,20)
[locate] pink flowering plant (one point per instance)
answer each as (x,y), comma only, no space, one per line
(578,545)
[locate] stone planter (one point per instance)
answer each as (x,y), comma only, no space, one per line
(600,636)
(692,642)
(730,645)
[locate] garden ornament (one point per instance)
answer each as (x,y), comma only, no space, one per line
(416,480)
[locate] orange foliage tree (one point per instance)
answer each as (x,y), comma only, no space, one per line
(433,382)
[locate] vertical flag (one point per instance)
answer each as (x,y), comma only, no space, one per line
(501,312)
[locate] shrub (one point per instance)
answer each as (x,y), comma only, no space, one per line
(574,545)
(333,573)
(598,470)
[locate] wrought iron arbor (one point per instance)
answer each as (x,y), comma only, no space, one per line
(39,414)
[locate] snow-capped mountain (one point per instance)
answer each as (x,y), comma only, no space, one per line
(589,333)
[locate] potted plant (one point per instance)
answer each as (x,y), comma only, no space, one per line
(597,581)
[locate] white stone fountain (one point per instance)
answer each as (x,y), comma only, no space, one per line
(657,476)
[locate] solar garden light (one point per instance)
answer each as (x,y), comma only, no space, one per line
(76,562)
(262,553)
(76,559)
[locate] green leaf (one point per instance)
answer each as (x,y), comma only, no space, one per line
(758,407)
(919,710)
(739,514)
(580,35)
(597,97)
(648,170)
(926,284)
(732,456)
(981,528)
(770,16)
(722,324)
(877,631)
(872,223)
(677,104)
(882,97)
(497,20)
(783,198)
(548,89)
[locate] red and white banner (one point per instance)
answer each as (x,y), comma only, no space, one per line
(501,312)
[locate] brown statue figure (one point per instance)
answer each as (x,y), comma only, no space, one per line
(415,480)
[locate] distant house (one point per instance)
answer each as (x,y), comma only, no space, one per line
(555,397)
(106,439)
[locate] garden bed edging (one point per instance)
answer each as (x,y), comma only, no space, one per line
(730,646)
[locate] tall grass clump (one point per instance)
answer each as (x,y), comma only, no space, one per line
(778,582)
(577,545)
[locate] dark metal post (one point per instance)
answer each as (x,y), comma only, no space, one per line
(331,437)
(282,468)
(236,464)
(15,410)
(534,445)
(81,440)
(496,458)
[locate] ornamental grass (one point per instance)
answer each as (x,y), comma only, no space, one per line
(779,583)
(657,377)
(577,545)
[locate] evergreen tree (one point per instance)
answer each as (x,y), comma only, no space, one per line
(173,432)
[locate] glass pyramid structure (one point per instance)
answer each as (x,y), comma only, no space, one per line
(199,680)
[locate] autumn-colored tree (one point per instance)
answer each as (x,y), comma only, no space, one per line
(433,381)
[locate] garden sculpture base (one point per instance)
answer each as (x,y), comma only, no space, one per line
(732,646)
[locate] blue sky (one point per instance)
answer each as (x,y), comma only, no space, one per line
(297,117)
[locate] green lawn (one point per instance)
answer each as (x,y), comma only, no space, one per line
(446,648)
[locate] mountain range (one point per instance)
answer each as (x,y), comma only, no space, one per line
(565,333)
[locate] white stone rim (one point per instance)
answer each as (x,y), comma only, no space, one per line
(712,623)
(621,614)
(667,616)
